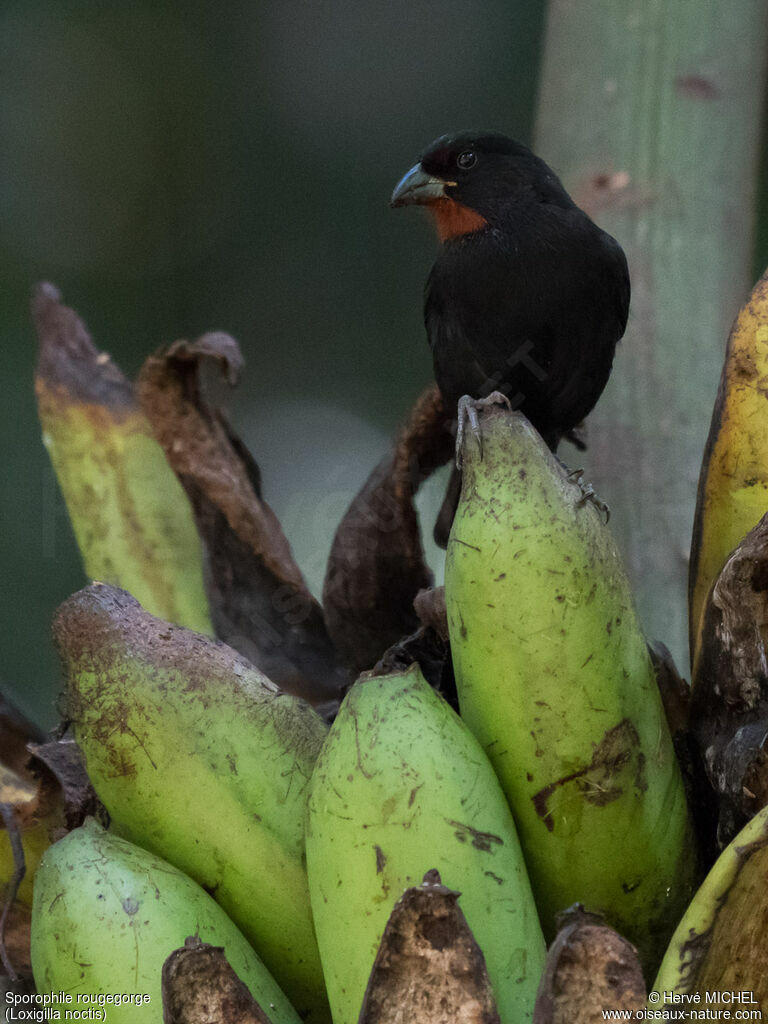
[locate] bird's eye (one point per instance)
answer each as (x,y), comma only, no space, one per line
(466,160)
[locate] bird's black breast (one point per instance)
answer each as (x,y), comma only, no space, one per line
(532,307)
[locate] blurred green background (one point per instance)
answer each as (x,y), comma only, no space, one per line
(176,168)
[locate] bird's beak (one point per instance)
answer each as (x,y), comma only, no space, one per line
(418,187)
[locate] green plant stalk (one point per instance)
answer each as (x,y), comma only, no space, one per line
(652,115)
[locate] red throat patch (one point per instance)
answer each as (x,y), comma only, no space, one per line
(452,219)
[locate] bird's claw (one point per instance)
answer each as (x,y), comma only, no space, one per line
(467,411)
(588,493)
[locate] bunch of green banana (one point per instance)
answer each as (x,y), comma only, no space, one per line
(131,518)
(721,943)
(733,486)
(107,914)
(200,759)
(555,680)
(402,787)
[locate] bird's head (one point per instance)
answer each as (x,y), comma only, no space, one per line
(469,180)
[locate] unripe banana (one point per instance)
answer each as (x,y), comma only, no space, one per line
(733,486)
(106,914)
(199,758)
(131,518)
(555,680)
(721,943)
(401,787)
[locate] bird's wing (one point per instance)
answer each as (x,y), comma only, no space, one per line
(459,364)
(597,293)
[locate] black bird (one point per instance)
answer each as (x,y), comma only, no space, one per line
(527,296)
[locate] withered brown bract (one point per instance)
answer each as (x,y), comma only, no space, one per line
(590,969)
(376,565)
(428,968)
(260,603)
(729,699)
(200,987)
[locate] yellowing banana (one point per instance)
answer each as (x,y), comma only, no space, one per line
(721,943)
(22,797)
(401,787)
(106,915)
(131,518)
(733,486)
(199,758)
(555,680)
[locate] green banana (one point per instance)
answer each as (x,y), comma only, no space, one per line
(555,680)
(199,758)
(105,916)
(401,787)
(733,485)
(721,943)
(131,518)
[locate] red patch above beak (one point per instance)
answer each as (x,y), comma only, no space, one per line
(452,219)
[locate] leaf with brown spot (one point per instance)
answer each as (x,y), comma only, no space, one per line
(200,987)
(260,603)
(130,517)
(590,969)
(729,700)
(429,968)
(376,565)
